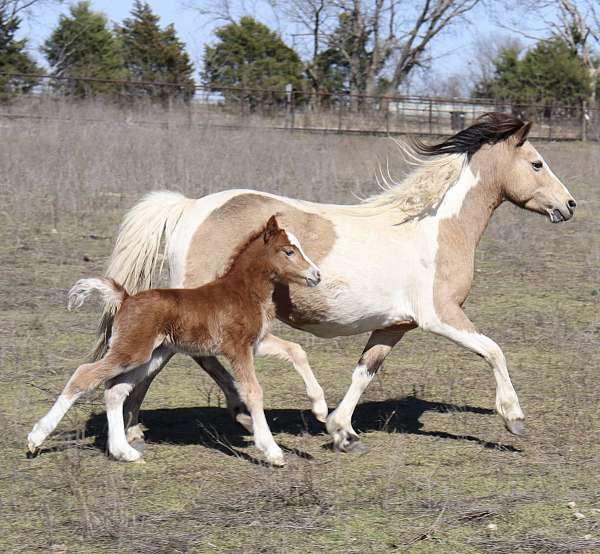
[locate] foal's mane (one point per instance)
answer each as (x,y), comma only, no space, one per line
(438,167)
(242,248)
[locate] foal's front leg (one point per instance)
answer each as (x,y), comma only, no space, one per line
(457,327)
(252,395)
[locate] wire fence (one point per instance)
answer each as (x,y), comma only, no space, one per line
(283,109)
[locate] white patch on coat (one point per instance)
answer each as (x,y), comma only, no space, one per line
(455,197)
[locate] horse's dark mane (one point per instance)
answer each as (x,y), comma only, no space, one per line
(490,128)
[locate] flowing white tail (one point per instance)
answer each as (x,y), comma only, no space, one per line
(136,254)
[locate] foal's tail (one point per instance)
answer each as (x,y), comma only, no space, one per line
(112,293)
(137,250)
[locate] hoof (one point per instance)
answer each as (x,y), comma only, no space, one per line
(33,446)
(245,421)
(349,443)
(135,433)
(357,447)
(516,427)
(277,461)
(128,455)
(32,452)
(138,444)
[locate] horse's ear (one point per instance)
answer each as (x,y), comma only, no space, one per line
(521,135)
(271,228)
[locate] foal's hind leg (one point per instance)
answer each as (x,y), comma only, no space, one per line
(86,378)
(294,353)
(117,390)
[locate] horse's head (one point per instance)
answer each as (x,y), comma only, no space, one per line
(289,262)
(499,153)
(527,180)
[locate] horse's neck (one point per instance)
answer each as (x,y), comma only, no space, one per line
(468,206)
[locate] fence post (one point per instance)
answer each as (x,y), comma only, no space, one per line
(431,117)
(289,99)
(584,118)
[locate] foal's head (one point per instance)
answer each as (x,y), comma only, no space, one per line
(287,260)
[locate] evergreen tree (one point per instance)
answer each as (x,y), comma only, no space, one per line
(14,58)
(82,45)
(335,63)
(248,55)
(154,54)
(551,72)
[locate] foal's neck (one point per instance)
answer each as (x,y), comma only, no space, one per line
(252,271)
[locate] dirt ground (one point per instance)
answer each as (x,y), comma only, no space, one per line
(441,476)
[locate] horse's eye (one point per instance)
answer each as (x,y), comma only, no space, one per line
(289,252)
(537,165)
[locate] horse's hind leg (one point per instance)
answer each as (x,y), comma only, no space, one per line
(117,390)
(339,422)
(294,353)
(131,409)
(86,378)
(225,382)
(215,370)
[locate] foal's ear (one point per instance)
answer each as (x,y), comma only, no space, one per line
(521,135)
(271,228)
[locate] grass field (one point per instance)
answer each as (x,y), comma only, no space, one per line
(442,475)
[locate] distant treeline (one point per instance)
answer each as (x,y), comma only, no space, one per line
(357,47)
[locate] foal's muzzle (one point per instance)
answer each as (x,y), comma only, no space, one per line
(313,278)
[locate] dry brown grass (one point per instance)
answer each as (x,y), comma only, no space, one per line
(440,469)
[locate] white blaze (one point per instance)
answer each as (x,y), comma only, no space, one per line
(295,242)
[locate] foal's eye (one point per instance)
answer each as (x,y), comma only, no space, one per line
(537,165)
(289,252)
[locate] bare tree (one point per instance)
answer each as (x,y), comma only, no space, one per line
(16,9)
(397,42)
(313,17)
(485,52)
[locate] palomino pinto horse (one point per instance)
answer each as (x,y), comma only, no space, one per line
(402,259)
(229,316)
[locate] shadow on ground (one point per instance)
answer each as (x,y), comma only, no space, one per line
(214,428)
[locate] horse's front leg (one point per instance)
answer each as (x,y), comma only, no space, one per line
(339,422)
(294,353)
(457,327)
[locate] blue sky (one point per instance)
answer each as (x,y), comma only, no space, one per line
(452,51)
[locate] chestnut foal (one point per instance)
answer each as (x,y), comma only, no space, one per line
(229,316)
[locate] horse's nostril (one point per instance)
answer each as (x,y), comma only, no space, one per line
(572,204)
